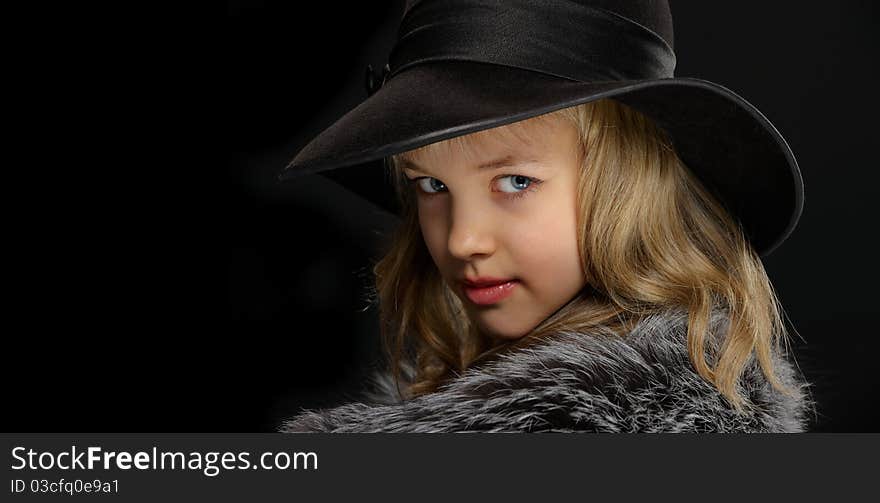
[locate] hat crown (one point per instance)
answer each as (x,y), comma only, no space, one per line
(652,14)
(581,40)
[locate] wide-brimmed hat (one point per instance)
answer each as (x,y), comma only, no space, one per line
(461,66)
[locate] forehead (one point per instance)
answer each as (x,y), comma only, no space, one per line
(521,141)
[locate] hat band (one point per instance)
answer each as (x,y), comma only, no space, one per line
(557,37)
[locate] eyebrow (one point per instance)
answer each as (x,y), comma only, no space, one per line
(502,162)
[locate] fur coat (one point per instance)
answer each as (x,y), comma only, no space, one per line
(578,382)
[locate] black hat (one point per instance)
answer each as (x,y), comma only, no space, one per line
(461,66)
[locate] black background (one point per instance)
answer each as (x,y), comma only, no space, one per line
(160,279)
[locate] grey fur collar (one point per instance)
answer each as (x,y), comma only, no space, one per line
(576,382)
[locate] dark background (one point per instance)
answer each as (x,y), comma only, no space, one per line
(164,281)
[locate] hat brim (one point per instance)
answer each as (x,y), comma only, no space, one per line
(727,142)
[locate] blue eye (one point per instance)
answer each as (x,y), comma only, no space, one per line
(432,186)
(517,182)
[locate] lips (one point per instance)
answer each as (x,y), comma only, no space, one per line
(487,291)
(485,281)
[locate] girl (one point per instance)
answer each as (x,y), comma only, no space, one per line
(579,248)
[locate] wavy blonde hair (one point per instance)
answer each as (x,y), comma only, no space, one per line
(651,237)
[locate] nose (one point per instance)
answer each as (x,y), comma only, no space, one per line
(471,231)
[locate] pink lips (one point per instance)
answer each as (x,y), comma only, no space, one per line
(486,295)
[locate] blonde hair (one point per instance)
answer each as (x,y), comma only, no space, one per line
(651,237)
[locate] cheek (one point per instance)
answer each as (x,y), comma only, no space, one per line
(547,250)
(433,228)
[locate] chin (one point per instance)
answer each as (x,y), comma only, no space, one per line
(503,332)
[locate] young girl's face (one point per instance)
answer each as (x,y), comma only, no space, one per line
(503,209)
